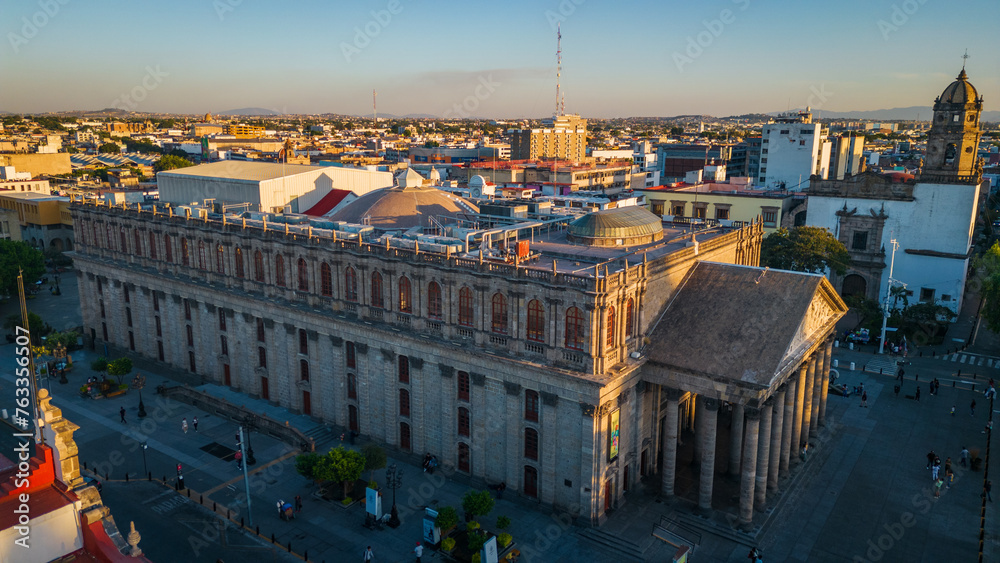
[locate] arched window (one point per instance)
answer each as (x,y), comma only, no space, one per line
(377,290)
(434,300)
(629,318)
(325,280)
(260,330)
(201,255)
(404,295)
(499,316)
(530,488)
(137,241)
(464,422)
(465,306)
(404,369)
(463,386)
(152,245)
(238,258)
(279,270)
(185,252)
(464,464)
(220,259)
(404,402)
(258,266)
(350,355)
(352,386)
(261,357)
(536,321)
(303,275)
(350,285)
(531,405)
(303,341)
(574,329)
(404,436)
(531,443)
(610,340)
(168,250)
(304,370)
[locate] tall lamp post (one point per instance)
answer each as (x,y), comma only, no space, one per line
(393,480)
(888,295)
(250,424)
(146,469)
(60,353)
(138,382)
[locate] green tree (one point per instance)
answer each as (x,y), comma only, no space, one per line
(171,162)
(36,326)
(477,503)
(804,249)
(988,273)
(110,148)
(100,365)
(446,518)
(375,458)
(119,368)
(14,255)
(306,464)
(340,465)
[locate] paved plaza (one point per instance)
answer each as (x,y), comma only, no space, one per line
(863,494)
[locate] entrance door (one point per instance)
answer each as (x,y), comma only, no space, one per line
(607,495)
(306,403)
(854,285)
(225,375)
(625,479)
(352,418)
(264,393)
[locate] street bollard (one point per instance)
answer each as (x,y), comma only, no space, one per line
(85,465)
(201,499)
(272,537)
(189,493)
(289,547)
(126,476)
(213,506)
(880,371)
(149,476)
(258,530)
(241,522)
(164,479)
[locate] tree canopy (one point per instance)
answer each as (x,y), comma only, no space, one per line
(477,503)
(340,465)
(988,272)
(119,368)
(110,148)
(170,162)
(16,254)
(804,249)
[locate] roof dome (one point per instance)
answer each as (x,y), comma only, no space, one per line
(622,226)
(401,208)
(959,91)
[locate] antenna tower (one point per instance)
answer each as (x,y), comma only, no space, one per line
(374,110)
(558,65)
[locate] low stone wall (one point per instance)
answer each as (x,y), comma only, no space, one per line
(220,407)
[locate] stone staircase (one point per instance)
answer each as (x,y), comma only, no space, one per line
(324,437)
(622,550)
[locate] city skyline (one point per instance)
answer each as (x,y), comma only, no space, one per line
(725,58)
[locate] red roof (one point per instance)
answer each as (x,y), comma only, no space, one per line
(328,202)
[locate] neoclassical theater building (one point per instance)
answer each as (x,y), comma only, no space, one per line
(568,354)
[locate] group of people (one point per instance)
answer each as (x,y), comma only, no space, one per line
(368,556)
(286,511)
(934,464)
(430,463)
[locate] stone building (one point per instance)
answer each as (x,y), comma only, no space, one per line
(541,352)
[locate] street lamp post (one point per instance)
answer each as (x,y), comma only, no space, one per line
(249,424)
(138,382)
(144,467)
(888,295)
(393,480)
(60,354)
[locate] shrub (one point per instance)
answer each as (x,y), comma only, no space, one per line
(305,464)
(373,484)
(448,544)
(504,540)
(472,526)
(346,501)
(477,503)
(447,517)
(476,558)
(503,522)
(476,541)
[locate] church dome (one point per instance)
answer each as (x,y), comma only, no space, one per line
(402,208)
(622,226)
(960,91)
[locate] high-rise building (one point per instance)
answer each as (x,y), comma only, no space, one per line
(562,137)
(845,155)
(793,148)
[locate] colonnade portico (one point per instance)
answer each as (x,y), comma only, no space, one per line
(773,380)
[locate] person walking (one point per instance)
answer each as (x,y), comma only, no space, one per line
(930,459)
(864,399)
(953,410)
(369,555)
(917,396)
(986,491)
(195,423)
(298,503)
(122,413)
(937,487)
(972,408)
(239,460)
(184,425)
(895,390)
(989,426)
(418,551)
(964,459)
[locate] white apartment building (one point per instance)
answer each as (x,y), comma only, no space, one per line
(793,148)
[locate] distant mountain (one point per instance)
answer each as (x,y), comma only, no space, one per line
(907,114)
(249,111)
(407,116)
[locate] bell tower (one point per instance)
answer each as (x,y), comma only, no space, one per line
(954,135)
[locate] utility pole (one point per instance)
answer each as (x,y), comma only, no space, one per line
(246,477)
(888,294)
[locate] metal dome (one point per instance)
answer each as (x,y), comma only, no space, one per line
(392,209)
(619,226)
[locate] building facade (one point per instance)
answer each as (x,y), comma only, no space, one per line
(562,137)
(793,149)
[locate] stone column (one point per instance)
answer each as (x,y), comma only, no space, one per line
(709,409)
(671,428)
(699,428)
(749,475)
(800,387)
(736,441)
(777,431)
(817,390)
(763,456)
(807,405)
(828,357)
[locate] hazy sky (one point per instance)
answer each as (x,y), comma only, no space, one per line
(491,59)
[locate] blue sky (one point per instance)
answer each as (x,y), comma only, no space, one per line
(491,59)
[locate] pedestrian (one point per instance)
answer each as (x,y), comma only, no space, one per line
(931,386)
(184,425)
(965,456)
(949,476)
(195,423)
(935,469)
(239,460)
(917,396)
(501,488)
(953,410)
(369,556)
(986,491)
(845,392)
(122,413)
(972,408)
(281,512)
(418,551)
(298,503)
(989,426)
(947,466)
(864,399)
(937,487)
(930,459)
(896,390)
